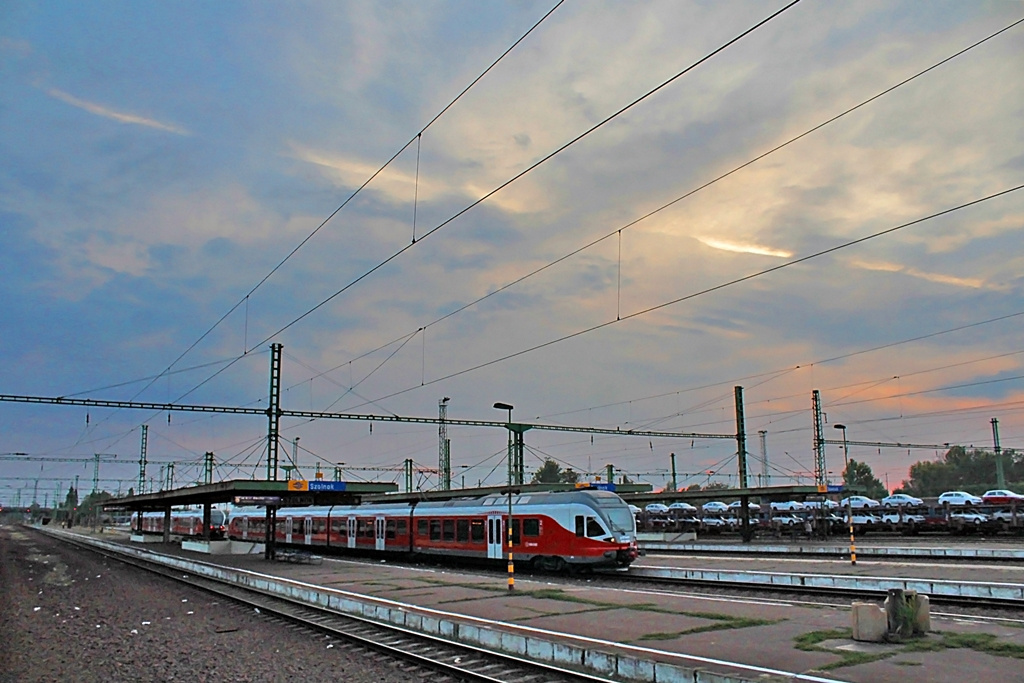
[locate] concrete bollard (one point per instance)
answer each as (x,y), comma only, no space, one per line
(870,623)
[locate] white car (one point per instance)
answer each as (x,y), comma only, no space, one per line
(862,520)
(714,523)
(682,507)
(715,506)
(858,502)
(969,518)
(959,498)
(790,505)
(819,504)
(736,506)
(656,508)
(634,509)
(900,500)
(788,521)
(904,518)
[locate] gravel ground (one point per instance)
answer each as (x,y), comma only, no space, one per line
(67,614)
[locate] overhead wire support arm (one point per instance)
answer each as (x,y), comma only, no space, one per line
(317,415)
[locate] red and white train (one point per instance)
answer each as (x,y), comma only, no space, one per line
(550,530)
(183,523)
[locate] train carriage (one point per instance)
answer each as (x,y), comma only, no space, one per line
(188,523)
(551,530)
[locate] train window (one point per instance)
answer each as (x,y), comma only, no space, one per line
(448,530)
(579,525)
(339,527)
(594,528)
(476,530)
(462,530)
(368,530)
(435,530)
(319,526)
(531,527)
(402,527)
(421,527)
(389,529)
(516,539)
(361,527)
(296,527)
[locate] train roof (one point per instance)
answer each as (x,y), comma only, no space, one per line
(496,500)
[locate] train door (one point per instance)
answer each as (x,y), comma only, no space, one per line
(378,533)
(307,530)
(287,529)
(243,527)
(495,538)
(351,532)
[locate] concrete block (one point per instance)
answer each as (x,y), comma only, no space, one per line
(923,617)
(600,662)
(513,643)
(634,669)
(870,623)
(569,655)
(540,650)
(672,673)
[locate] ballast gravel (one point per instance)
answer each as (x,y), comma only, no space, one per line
(71,615)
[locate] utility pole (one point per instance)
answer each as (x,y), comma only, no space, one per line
(1000,474)
(673,484)
(142,459)
(444,445)
(273,430)
(820,471)
(765,477)
(208,467)
(408,475)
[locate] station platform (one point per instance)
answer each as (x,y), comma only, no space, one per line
(756,638)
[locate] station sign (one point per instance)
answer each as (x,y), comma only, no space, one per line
(317,485)
(257,500)
(599,485)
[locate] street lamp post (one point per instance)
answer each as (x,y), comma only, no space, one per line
(508,524)
(849,502)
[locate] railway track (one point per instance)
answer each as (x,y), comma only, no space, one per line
(444,660)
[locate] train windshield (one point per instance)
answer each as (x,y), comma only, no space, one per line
(617,513)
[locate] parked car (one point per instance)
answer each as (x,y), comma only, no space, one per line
(634,509)
(656,508)
(715,506)
(736,506)
(713,524)
(862,521)
(900,500)
(787,521)
(902,519)
(959,498)
(791,505)
(969,519)
(682,507)
(858,502)
(819,504)
(1001,497)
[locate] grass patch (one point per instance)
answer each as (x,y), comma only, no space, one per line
(808,642)
(724,623)
(938,641)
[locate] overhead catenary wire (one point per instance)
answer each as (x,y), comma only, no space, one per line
(633,223)
(708,290)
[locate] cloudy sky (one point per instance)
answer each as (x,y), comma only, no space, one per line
(561,238)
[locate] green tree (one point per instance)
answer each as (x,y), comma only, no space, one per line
(552,473)
(973,471)
(859,475)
